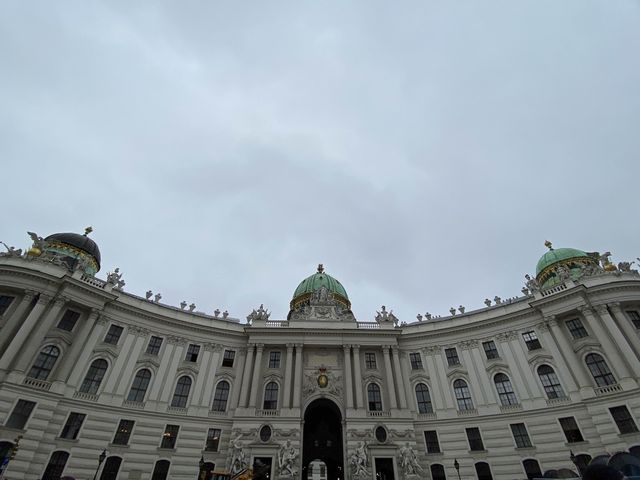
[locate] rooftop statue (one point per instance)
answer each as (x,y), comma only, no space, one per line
(11,251)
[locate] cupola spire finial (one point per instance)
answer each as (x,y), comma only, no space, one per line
(548,244)
(88,230)
(320,268)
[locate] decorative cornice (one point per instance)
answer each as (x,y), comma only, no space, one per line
(601,309)
(542,327)
(175,340)
(507,336)
(468,344)
(138,331)
(44,299)
(432,350)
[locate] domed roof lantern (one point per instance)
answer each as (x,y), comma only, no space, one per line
(315,282)
(79,247)
(572,258)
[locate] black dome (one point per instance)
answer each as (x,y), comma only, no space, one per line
(82,242)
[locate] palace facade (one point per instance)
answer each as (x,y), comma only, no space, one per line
(543,382)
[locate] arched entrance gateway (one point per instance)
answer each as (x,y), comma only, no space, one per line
(322,441)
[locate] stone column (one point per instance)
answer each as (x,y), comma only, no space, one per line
(550,344)
(235,387)
(348,381)
(111,377)
(30,349)
(13,322)
(158,379)
(399,377)
(388,373)
(513,346)
(18,341)
(255,382)
(617,363)
(169,381)
(478,392)
(80,338)
(297,381)
(205,363)
(443,378)
(288,368)
(86,351)
(480,369)
(358,376)
(627,355)
(125,374)
(575,366)
(630,333)
(435,390)
(246,379)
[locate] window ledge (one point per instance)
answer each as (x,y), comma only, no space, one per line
(116,446)
(532,448)
(165,449)
(630,436)
(573,444)
(12,431)
(434,455)
(67,440)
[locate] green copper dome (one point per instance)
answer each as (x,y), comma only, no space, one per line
(315,282)
(571,258)
(558,255)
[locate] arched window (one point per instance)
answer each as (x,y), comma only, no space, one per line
(483,471)
(505,390)
(270,396)
(532,468)
(582,462)
(139,386)
(111,468)
(55,466)
(374,397)
(463,395)
(437,472)
(635,451)
(423,398)
(181,394)
(5,450)
(44,363)
(161,470)
(550,382)
(220,397)
(600,370)
(92,381)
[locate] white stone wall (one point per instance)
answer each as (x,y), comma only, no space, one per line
(340,347)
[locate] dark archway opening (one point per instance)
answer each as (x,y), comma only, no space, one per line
(322,438)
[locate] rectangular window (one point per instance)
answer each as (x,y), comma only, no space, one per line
(416,361)
(475,439)
(228,358)
(635,318)
(452,356)
(123,433)
(370,360)
(5,302)
(623,419)
(72,427)
(490,349)
(576,329)
(20,415)
(520,435)
(153,347)
(571,430)
(68,320)
(113,335)
(431,439)
(170,436)
(531,339)
(274,359)
(213,440)
(192,353)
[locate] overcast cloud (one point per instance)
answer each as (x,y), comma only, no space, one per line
(423,151)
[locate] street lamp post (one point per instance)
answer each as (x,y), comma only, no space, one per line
(101,458)
(456,465)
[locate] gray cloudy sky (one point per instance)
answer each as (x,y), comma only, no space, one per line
(423,151)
